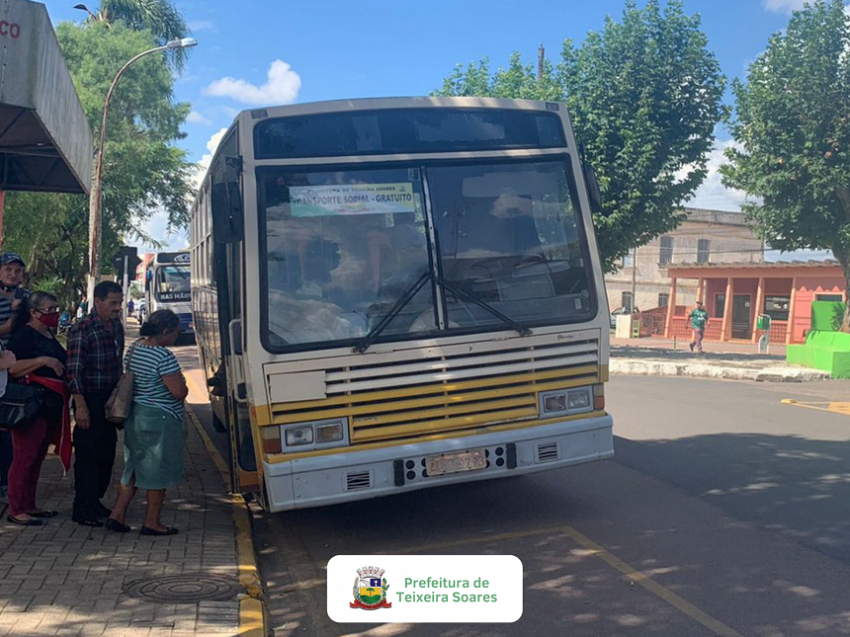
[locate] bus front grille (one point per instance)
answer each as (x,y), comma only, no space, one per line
(445,393)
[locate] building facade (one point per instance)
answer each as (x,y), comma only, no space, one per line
(735,294)
(706,237)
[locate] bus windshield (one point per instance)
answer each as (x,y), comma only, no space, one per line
(173,283)
(341,248)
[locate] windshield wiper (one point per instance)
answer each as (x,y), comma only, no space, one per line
(366,342)
(468,296)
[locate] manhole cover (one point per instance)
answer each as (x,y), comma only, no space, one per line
(184,589)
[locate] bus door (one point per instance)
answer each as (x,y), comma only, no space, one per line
(228,232)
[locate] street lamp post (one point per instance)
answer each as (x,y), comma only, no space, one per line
(96,188)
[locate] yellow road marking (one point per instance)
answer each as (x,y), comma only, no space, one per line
(251,609)
(636,576)
(834,407)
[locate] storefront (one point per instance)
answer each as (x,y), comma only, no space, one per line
(735,294)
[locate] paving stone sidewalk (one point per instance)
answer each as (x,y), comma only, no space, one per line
(65,579)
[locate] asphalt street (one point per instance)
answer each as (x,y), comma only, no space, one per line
(725,512)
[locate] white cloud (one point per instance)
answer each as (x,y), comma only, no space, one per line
(784,6)
(196,118)
(281,87)
(712,194)
(201,25)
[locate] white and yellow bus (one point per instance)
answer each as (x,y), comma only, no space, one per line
(394,294)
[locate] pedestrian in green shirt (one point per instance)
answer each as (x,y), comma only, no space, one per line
(699,319)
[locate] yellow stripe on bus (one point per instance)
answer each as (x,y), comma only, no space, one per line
(408,416)
(429,426)
(419,403)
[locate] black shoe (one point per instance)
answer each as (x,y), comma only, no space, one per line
(30,522)
(115,525)
(101,511)
(691,345)
(87,520)
(169,530)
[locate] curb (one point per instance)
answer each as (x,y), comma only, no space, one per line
(252,609)
(779,374)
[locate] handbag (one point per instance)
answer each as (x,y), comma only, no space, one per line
(121,399)
(20,405)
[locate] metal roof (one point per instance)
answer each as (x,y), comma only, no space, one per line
(826,263)
(45,138)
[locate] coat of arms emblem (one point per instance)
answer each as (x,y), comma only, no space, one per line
(370,589)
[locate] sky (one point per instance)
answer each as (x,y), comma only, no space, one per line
(273,52)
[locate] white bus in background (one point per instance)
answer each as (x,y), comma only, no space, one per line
(397,294)
(168,286)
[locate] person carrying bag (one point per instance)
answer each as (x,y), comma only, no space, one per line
(40,366)
(154,432)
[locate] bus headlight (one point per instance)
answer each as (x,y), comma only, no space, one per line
(566,402)
(302,435)
(316,434)
(331,432)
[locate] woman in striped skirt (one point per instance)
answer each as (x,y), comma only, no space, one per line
(153,433)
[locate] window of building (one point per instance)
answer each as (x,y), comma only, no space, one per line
(719,305)
(703,251)
(628,260)
(626,301)
(777,307)
(663,299)
(666,255)
(829,297)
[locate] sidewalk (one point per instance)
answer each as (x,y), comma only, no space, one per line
(65,579)
(730,361)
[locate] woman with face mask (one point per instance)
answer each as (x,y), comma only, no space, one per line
(40,360)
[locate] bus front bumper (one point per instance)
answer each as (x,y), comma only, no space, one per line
(359,475)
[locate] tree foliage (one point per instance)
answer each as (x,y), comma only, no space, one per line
(644,95)
(144,172)
(160,17)
(793,127)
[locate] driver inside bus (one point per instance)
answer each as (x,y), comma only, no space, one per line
(396,252)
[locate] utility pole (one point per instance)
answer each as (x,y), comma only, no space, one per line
(634,279)
(97,180)
(541,54)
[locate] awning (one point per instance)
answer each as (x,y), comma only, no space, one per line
(45,139)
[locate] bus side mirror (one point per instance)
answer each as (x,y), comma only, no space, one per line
(226,201)
(594,195)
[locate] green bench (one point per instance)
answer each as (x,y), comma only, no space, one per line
(829,351)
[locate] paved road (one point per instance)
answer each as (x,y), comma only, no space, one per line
(725,512)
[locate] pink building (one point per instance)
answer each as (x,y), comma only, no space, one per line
(736,293)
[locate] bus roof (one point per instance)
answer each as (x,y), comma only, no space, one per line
(380,103)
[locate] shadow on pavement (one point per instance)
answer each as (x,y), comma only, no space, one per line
(790,484)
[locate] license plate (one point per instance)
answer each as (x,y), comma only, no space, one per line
(456,462)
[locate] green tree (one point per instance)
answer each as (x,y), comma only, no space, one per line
(793,126)
(144,171)
(160,17)
(644,95)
